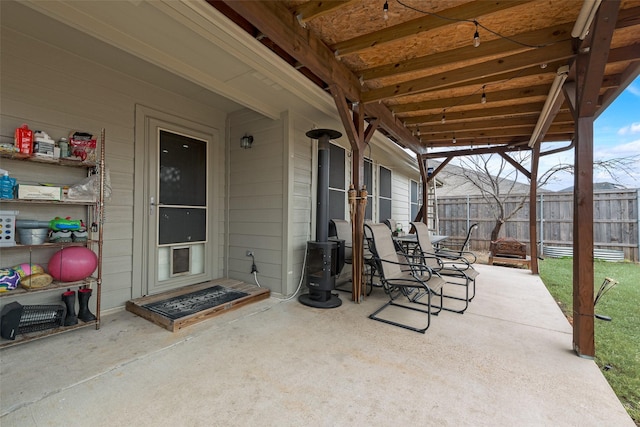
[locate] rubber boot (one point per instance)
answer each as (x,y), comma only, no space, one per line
(69,299)
(83,301)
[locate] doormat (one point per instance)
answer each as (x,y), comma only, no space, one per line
(191,303)
(184,306)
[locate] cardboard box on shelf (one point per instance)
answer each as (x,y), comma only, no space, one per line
(39,192)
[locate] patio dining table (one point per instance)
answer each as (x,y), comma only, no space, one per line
(409,241)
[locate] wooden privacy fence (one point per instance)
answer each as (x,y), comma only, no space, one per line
(616,223)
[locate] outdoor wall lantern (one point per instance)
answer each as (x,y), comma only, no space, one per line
(246,141)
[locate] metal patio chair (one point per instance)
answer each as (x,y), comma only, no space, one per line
(402,279)
(448,264)
(464,251)
(343,232)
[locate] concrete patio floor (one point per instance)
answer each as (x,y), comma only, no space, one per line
(506,361)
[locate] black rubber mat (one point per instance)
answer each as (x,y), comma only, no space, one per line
(187,304)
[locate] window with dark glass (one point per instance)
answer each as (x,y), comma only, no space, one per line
(415,201)
(368,181)
(384,194)
(183,190)
(337,186)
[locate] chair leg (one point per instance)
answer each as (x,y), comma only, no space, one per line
(392,302)
(466,299)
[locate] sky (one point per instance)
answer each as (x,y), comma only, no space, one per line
(616,134)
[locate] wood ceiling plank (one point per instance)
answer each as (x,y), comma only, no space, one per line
(506,140)
(314,9)
(544,36)
(495,132)
(278,23)
(488,123)
(514,96)
(501,95)
(497,112)
(467,11)
(624,54)
(496,67)
(628,17)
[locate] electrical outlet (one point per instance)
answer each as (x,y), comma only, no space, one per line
(249,253)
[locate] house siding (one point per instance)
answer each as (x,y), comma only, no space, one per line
(56,91)
(265,196)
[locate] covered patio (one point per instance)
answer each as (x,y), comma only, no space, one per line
(507,361)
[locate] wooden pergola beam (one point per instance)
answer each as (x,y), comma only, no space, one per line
(314,9)
(479,134)
(394,127)
(483,113)
(280,25)
(514,96)
(494,47)
(487,123)
(469,11)
(495,67)
(525,95)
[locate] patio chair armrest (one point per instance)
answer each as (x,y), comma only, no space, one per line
(469,257)
(409,267)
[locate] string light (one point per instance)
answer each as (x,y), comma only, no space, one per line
(454,140)
(483,99)
(444,119)
(385,10)
(479,25)
(476,36)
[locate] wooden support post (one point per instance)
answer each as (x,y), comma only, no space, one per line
(583,311)
(533,216)
(353,122)
(589,70)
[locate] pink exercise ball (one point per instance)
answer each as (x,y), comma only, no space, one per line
(72,264)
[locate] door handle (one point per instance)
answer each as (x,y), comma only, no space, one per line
(152,206)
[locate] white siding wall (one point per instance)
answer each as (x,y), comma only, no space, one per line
(256,199)
(400,193)
(301,207)
(53,90)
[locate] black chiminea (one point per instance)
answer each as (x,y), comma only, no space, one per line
(323,256)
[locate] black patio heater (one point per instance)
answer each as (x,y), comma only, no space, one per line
(323,255)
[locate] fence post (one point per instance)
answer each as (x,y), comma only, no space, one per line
(541,215)
(468,214)
(638,227)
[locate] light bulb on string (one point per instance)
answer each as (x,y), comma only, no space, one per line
(483,99)
(476,36)
(444,119)
(385,10)
(454,140)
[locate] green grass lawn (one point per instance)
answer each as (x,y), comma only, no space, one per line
(618,341)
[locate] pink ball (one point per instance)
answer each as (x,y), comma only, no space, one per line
(72,264)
